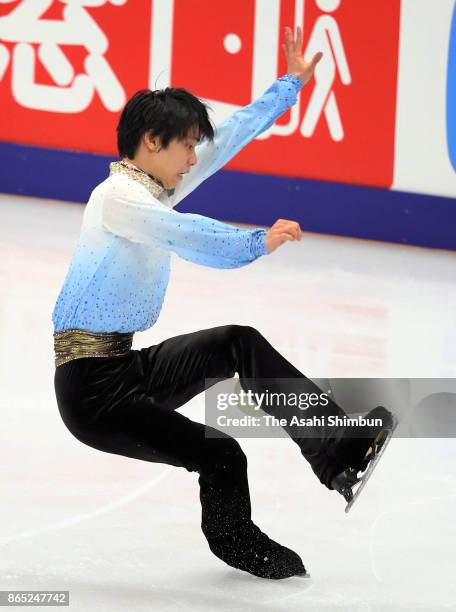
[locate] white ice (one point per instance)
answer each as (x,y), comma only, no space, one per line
(123,535)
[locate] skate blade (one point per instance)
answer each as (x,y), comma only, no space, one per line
(305,576)
(380,444)
(349,480)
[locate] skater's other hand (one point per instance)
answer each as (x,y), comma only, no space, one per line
(296,63)
(280,232)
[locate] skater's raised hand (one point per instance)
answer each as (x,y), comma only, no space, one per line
(295,59)
(280,232)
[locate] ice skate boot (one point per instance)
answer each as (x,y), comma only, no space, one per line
(362,454)
(252,551)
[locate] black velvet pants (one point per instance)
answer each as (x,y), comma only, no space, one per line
(127,406)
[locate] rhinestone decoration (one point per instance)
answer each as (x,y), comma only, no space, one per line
(152,184)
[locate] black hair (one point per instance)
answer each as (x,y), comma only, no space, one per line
(167,113)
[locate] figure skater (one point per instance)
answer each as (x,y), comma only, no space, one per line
(124,401)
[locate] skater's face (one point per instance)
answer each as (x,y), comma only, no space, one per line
(170,164)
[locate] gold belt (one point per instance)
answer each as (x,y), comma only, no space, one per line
(76,343)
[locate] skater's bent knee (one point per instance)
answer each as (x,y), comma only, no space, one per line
(230,450)
(226,454)
(242,332)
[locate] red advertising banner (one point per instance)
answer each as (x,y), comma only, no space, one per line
(68,66)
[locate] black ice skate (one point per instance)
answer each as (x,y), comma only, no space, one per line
(352,480)
(253,551)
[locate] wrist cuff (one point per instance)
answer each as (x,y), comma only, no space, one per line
(291,78)
(258,243)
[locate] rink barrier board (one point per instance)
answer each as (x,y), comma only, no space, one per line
(257,199)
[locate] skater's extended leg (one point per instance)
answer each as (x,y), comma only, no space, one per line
(179,367)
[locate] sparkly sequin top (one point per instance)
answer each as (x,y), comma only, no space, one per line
(120,268)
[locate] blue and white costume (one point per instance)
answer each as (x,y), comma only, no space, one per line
(120,269)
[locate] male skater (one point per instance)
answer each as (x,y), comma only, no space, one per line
(124,401)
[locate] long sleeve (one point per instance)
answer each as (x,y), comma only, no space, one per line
(194,237)
(237,131)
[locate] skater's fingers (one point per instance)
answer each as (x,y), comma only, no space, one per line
(293,229)
(288,39)
(298,46)
(280,222)
(294,226)
(276,237)
(289,226)
(284,236)
(316,58)
(280,230)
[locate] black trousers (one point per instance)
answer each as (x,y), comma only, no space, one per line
(127,406)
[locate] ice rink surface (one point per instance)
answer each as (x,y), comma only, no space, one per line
(124,535)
